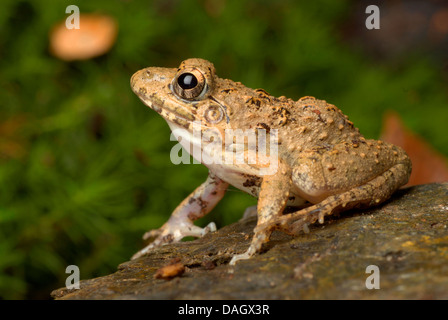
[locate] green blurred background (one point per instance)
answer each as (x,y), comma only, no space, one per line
(84,165)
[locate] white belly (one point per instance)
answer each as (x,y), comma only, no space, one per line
(243,176)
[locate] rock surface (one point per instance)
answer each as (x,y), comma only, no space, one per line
(407,238)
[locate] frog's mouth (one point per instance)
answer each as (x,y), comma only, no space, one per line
(154,91)
(170,111)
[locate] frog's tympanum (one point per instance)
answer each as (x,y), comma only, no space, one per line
(323,165)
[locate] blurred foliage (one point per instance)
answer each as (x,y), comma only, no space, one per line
(84,167)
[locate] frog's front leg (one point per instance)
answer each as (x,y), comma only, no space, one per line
(180,224)
(272,200)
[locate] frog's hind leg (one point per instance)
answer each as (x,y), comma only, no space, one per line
(372,193)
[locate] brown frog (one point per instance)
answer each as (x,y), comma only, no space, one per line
(321,162)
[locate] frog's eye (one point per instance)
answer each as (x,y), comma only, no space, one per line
(187,81)
(189,84)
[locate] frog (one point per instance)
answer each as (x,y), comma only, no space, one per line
(323,164)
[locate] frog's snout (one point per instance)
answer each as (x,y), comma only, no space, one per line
(134,80)
(138,78)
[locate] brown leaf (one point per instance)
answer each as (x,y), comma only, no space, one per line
(174,268)
(428,165)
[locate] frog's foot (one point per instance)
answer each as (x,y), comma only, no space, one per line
(170,233)
(243,256)
(261,236)
(304,218)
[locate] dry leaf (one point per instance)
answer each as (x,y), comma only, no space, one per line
(175,268)
(428,165)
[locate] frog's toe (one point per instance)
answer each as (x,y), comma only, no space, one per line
(142,252)
(163,238)
(243,256)
(262,235)
(152,234)
(170,233)
(211,227)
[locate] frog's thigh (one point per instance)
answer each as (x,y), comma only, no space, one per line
(369,194)
(318,175)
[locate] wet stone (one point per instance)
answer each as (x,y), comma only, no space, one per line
(406,238)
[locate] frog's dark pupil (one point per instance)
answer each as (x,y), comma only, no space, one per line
(187,81)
